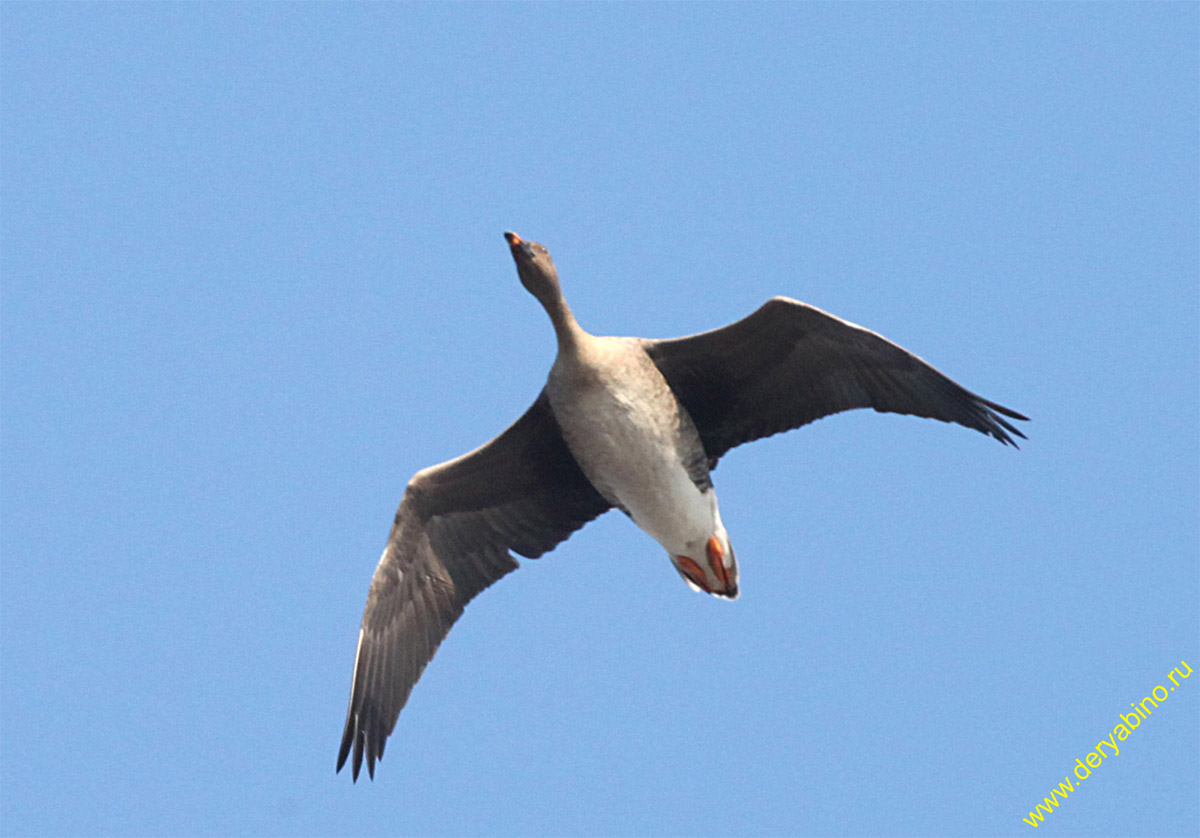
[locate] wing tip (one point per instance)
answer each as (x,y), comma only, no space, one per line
(999,427)
(343,752)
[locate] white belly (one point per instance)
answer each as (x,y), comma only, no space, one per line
(628,445)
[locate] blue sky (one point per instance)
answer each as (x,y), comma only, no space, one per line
(253,279)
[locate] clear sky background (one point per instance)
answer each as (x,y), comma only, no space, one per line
(253,279)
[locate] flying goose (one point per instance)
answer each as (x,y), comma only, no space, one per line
(622,422)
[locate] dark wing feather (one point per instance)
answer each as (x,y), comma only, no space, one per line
(789,363)
(523,491)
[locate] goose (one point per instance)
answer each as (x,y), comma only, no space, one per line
(624,422)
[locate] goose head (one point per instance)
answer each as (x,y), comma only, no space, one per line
(540,278)
(535,267)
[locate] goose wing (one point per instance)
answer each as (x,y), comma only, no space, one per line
(789,363)
(524,492)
